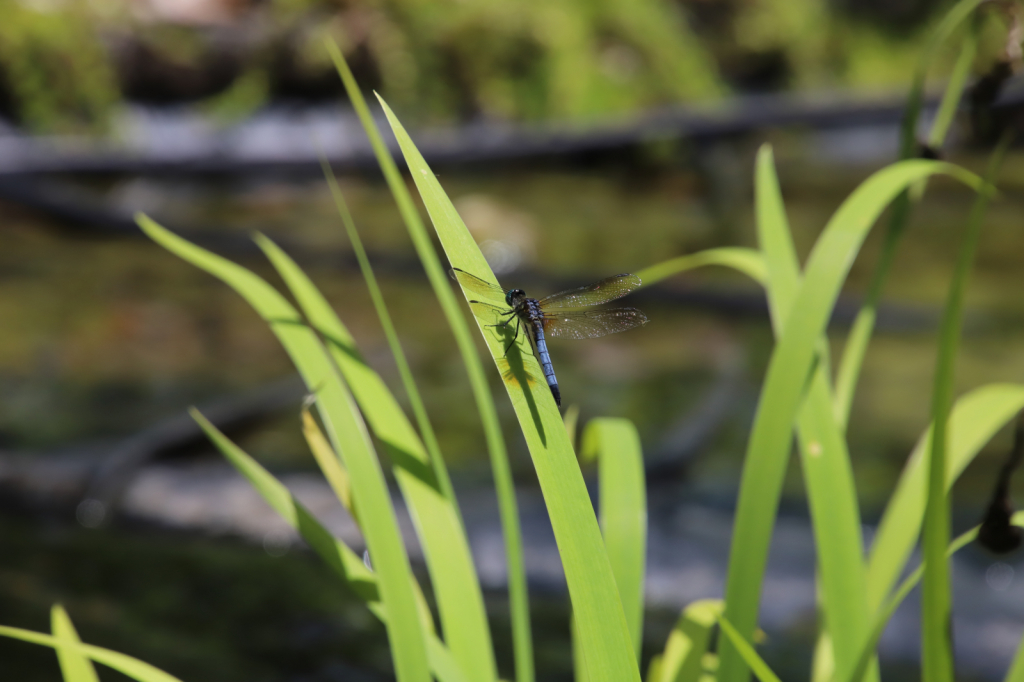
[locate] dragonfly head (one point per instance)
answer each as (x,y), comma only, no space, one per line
(513,297)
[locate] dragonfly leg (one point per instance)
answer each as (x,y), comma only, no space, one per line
(505,323)
(512,343)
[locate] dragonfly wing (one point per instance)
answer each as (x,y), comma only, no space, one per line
(590,324)
(608,289)
(475,284)
(488,310)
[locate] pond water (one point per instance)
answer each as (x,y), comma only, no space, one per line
(104,336)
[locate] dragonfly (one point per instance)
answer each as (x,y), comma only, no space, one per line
(561,315)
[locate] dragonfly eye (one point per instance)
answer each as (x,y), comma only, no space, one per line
(512,295)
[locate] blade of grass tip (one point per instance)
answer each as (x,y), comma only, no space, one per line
(519,602)
(604,634)
(122,663)
(788,370)
(782,270)
(936,596)
(351,440)
(864,324)
(831,491)
(683,657)
(74,666)
(887,610)
(335,553)
(622,501)
(654,669)
(782,287)
(419,410)
(438,525)
(328,461)
(956,15)
(976,417)
(746,650)
(954,91)
(747,261)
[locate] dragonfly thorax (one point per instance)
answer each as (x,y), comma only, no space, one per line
(515,297)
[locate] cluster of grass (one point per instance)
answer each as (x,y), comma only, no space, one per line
(603,556)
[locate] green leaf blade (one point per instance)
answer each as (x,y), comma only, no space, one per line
(831,493)
(744,260)
(788,370)
(604,634)
(936,593)
(132,667)
(623,510)
(350,438)
(437,521)
(519,602)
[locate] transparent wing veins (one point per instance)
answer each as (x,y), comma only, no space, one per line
(591,324)
(608,289)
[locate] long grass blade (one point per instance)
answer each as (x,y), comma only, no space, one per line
(519,603)
(74,665)
(864,324)
(747,261)
(122,663)
(954,90)
(335,553)
(936,598)
(790,367)
(682,659)
(347,432)
(954,18)
(438,523)
(603,632)
(831,492)
(401,362)
(622,500)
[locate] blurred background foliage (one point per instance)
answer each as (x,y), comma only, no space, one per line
(67,65)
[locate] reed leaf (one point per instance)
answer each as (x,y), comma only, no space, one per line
(604,634)
(789,369)
(349,436)
(622,505)
(831,493)
(438,523)
(519,603)
(122,663)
